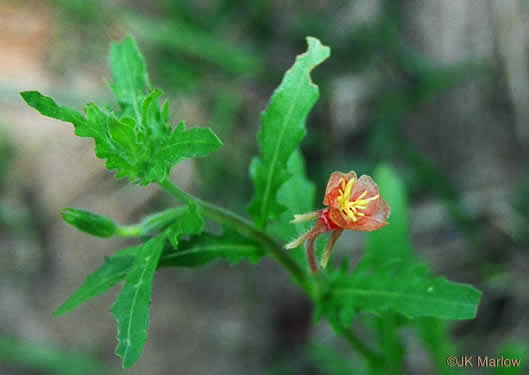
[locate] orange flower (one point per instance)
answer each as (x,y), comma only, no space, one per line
(352,203)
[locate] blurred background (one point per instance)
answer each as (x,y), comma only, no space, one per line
(440,88)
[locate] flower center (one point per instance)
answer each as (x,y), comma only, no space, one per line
(351,209)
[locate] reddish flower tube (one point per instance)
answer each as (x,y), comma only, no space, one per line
(352,203)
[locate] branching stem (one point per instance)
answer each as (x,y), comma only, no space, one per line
(304,279)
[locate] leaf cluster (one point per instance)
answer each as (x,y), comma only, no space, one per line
(136,140)
(390,283)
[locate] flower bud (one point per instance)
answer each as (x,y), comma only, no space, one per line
(89,222)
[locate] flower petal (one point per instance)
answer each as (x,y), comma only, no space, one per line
(333,186)
(364,183)
(377,220)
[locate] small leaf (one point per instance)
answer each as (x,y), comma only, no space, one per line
(203,249)
(131,308)
(189,222)
(88,222)
(283,128)
(129,72)
(105,277)
(47,106)
(191,143)
(165,112)
(122,132)
(152,116)
(160,220)
(298,196)
(393,239)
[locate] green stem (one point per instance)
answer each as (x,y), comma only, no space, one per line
(130,231)
(222,215)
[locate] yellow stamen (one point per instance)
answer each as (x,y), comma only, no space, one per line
(350,208)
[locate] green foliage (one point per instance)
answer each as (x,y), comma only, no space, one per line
(332,362)
(387,333)
(105,277)
(200,250)
(434,333)
(138,140)
(192,252)
(190,222)
(47,359)
(408,289)
(131,308)
(297,195)
(161,220)
(390,280)
(391,241)
(137,266)
(129,74)
(283,128)
(339,315)
(89,222)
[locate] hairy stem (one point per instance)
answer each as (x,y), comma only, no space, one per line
(311,255)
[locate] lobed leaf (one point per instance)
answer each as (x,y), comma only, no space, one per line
(137,141)
(283,128)
(192,143)
(143,156)
(131,309)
